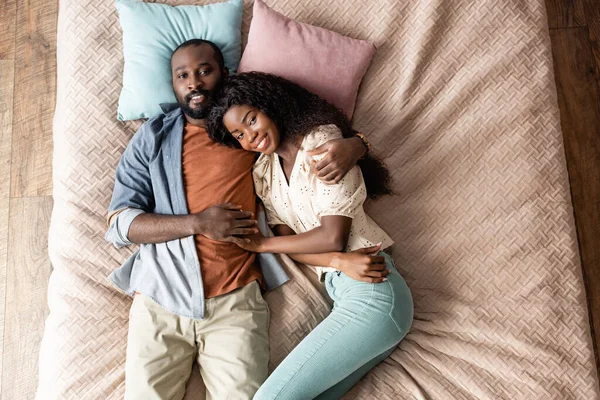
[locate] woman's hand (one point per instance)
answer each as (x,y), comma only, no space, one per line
(362,265)
(341,155)
(254,243)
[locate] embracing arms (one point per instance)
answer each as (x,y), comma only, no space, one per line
(341,155)
(218,222)
(132,217)
(323,246)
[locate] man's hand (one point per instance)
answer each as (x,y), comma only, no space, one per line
(363,265)
(222,221)
(341,155)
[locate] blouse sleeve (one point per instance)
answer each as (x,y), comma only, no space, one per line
(272,217)
(345,197)
(262,175)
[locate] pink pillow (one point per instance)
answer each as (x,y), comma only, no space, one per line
(322,61)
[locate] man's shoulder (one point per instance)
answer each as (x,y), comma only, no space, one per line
(158,126)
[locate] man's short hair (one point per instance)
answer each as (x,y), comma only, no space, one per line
(199,42)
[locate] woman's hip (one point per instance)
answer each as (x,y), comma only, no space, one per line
(374,301)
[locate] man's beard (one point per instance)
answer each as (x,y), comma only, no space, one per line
(200,112)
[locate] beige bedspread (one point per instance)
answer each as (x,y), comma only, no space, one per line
(460,100)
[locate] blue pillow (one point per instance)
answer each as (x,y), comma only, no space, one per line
(150,34)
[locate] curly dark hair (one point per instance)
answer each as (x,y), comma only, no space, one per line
(295,111)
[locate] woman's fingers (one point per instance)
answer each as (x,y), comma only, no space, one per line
(373,250)
(377,274)
(376,263)
(377,259)
(375,268)
(373,280)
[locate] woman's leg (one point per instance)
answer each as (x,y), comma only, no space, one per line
(348,383)
(367,320)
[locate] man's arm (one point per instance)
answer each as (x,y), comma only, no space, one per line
(218,222)
(341,155)
(132,194)
(131,219)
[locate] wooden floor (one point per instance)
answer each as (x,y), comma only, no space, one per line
(575,35)
(28,55)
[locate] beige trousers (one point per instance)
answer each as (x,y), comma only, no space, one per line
(231,346)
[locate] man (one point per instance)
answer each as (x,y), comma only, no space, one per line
(181,196)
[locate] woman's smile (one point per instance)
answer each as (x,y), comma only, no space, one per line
(252,128)
(263,144)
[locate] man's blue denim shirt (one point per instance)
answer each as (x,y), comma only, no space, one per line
(149,180)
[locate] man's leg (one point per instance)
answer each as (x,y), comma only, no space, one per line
(233,344)
(160,352)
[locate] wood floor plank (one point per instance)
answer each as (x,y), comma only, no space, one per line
(6,107)
(26,303)
(592,11)
(580,119)
(566,13)
(8,14)
(34,101)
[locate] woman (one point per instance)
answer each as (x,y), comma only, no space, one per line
(315,223)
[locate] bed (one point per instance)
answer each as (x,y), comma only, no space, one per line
(460,101)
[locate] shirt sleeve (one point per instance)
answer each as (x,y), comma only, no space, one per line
(132,193)
(261,173)
(118,231)
(343,198)
(272,217)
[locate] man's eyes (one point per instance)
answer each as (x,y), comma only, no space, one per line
(203,72)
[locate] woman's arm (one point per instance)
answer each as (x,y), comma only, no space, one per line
(331,236)
(362,265)
(320,259)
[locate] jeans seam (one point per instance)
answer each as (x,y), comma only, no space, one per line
(332,336)
(393,307)
(400,330)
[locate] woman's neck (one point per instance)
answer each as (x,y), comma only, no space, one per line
(288,150)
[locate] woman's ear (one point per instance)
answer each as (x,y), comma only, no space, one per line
(225,73)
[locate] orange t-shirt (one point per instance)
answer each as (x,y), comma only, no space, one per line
(214,174)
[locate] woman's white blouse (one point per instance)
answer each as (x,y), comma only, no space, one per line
(300,204)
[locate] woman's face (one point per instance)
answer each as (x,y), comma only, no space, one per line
(252,128)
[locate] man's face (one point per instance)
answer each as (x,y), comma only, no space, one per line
(196,77)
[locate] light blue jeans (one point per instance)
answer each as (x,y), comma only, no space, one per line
(366,324)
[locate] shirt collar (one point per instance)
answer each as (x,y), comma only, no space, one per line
(169,107)
(171,111)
